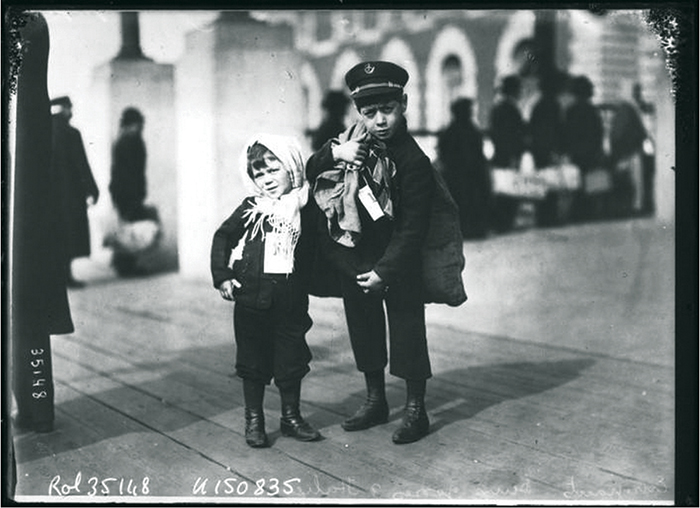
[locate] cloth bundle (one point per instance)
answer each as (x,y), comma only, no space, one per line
(336,190)
(134,237)
(442,253)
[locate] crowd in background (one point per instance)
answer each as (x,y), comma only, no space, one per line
(608,146)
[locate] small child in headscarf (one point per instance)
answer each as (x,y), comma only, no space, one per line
(259,259)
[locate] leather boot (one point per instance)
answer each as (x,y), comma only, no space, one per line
(375,409)
(253,393)
(255,435)
(291,423)
(415,424)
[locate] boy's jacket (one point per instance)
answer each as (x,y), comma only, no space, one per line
(442,255)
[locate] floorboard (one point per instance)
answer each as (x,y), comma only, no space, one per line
(146,389)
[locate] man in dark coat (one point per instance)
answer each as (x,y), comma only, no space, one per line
(583,127)
(507,131)
(39,305)
(546,122)
(507,127)
(335,105)
(460,150)
(545,141)
(128,181)
(627,136)
(78,188)
(583,140)
(128,177)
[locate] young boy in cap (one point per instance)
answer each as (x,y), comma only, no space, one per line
(375,185)
(259,259)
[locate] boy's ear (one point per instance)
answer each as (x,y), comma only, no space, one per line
(404,103)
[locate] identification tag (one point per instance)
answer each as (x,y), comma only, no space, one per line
(277,258)
(370,203)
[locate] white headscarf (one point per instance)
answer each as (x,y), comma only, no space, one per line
(283,213)
(286,149)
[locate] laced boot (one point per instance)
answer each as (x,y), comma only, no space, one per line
(253,393)
(415,424)
(255,435)
(375,409)
(292,424)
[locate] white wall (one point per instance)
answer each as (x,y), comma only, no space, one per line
(240,79)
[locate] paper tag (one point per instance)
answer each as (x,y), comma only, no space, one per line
(278,258)
(370,203)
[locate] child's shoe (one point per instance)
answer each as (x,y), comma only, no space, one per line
(293,425)
(255,435)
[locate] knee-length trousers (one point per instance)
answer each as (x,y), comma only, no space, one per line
(271,343)
(366,319)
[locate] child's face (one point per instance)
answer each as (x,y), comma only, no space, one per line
(271,177)
(383,118)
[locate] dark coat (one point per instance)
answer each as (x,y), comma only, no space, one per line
(38,253)
(77,184)
(627,133)
(127,184)
(507,130)
(583,135)
(460,150)
(545,131)
(256,289)
(329,128)
(392,248)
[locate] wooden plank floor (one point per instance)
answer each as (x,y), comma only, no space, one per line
(148,409)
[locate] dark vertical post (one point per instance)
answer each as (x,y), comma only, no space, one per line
(131,36)
(545,37)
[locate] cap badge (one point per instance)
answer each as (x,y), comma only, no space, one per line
(369,68)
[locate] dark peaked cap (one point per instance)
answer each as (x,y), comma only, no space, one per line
(375,78)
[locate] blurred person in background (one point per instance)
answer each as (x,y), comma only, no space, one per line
(78,189)
(128,181)
(545,140)
(545,126)
(627,136)
(460,151)
(507,127)
(39,305)
(647,111)
(507,132)
(583,138)
(335,106)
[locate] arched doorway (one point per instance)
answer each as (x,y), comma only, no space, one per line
(451,72)
(399,52)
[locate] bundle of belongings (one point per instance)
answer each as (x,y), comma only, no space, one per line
(135,237)
(339,192)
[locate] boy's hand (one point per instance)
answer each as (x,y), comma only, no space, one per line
(227,287)
(370,281)
(352,152)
